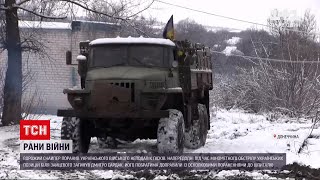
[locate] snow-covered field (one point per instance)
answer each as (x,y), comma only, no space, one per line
(231,131)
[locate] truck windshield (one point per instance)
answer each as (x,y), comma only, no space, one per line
(131,55)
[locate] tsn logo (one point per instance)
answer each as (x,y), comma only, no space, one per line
(35,130)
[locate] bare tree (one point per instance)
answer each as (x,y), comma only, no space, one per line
(13,44)
(291,86)
(191,30)
(137,26)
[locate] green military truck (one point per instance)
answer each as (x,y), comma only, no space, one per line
(140,88)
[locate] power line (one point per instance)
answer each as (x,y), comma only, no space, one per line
(217,28)
(226,17)
(208,13)
(268,59)
(245,21)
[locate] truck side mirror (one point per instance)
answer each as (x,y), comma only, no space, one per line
(68,57)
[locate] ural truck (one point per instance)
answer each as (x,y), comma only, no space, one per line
(140,88)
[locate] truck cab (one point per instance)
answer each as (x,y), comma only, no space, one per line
(140,88)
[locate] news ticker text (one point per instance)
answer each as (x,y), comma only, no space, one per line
(138,161)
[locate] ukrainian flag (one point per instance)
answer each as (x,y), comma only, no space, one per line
(168,32)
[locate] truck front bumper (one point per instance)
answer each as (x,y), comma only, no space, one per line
(93,115)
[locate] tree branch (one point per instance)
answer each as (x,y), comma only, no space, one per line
(92,10)
(147,7)
(40,15)
(3,8)
(139,31)
(22,2)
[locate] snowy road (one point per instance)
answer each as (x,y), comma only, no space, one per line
(231,132)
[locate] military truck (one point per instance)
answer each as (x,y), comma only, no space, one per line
(140,88)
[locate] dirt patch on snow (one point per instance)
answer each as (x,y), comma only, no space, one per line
(298,171)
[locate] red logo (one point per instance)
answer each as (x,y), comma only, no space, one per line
(35,130)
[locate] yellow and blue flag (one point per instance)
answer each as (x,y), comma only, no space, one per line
(168,32)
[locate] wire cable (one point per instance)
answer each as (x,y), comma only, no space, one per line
(268,59)
(250,22)
(231,18)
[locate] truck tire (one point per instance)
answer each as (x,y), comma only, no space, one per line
(196,134)
(171,133)
(76,129)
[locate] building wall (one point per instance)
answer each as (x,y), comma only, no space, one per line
(47,74)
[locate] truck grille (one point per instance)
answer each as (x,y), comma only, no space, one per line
(156,84)
(129,85)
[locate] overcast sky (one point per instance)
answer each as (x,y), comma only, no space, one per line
(250,10)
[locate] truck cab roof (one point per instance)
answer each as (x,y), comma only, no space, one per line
(132,40)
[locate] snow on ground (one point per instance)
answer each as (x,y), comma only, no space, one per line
(233,41)
(232,50)
(229,49)
(231,131)
(238,132)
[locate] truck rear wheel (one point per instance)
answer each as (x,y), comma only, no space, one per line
(196,134)
(77,130)
(171,133)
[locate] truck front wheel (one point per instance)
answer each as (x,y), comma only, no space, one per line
(77,130)
(171,133)
(196,134)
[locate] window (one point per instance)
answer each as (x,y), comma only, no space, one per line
(131,55)
(108,56)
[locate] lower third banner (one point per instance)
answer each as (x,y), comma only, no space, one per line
(129,161)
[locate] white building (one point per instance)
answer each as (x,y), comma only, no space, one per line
(49,74)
